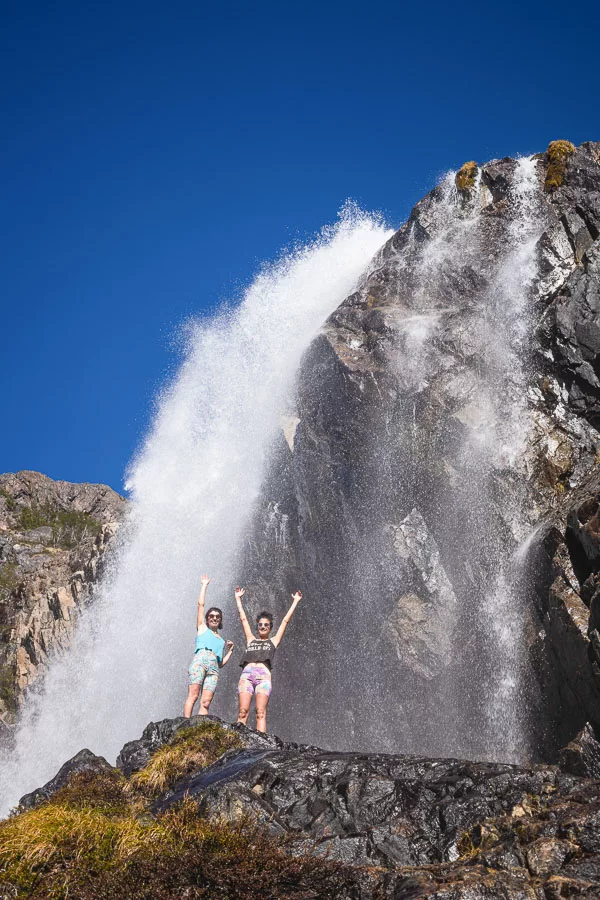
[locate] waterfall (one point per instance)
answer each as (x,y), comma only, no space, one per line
(451,476)
(509,311)
(483,685)
(193,487)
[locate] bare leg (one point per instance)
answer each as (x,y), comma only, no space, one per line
(205,702)
(193,694)
(245,699)
(261,711)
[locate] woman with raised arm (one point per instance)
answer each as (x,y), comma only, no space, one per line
(208,658)
(257,661)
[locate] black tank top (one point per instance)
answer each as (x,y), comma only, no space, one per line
(259,652)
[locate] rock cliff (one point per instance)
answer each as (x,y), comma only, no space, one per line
(435,487)
(53,540)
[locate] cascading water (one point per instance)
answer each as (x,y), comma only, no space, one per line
(435,507)
(487,431)
(509,356)
(193,485)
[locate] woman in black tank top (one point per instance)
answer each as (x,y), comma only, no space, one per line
(257,660)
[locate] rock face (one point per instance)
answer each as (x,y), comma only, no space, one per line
(434,490)
(53,540)
(402,826)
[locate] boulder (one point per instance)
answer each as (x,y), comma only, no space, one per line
(84,761)
(581,756)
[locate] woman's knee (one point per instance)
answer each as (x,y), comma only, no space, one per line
(194,691)
(261,715)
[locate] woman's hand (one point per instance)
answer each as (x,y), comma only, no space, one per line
(229,645)
(297,597)
(204,580)
(239,593)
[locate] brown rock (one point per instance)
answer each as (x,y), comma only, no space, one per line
(53,540)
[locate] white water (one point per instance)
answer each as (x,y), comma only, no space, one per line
(491,370)
(508,341)
(193,487)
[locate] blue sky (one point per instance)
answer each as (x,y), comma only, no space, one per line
(155,153)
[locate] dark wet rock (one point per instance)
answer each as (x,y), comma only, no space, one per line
(369,809)
(84,761)
(402,826)
(571,331)
(422,827)
(581,756)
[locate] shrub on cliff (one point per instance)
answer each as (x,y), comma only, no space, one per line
(69,527)
(557,154)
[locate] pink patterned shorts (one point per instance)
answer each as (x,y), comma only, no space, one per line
(255,677)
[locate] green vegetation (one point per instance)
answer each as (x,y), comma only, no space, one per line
(9,578)
(190,750)
(557,154)
(69,527)
(466,176)
(11,504)
(96,839)
(8,688)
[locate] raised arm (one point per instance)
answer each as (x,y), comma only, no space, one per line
(296,598)
(204,581)
(239,593)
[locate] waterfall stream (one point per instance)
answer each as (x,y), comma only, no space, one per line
(474,363)
(193,486)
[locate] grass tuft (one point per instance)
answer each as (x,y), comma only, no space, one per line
(557,155)
(190,750)
(90,842)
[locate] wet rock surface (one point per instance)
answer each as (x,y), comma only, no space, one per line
(53,541)
(84,761)
(581,756)
(405,826)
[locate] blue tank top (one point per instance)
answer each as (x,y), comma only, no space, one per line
(208,640)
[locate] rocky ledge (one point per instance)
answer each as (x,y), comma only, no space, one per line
(338,824)
(53,539)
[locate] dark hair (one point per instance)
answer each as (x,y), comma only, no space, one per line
(265,615)
(214,609)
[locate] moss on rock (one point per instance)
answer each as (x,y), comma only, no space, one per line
(557,156)
(466,176)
